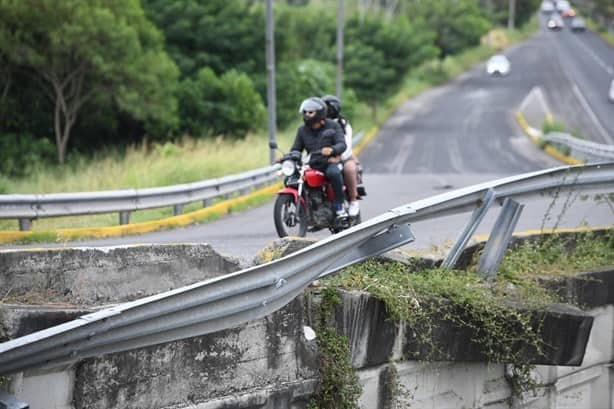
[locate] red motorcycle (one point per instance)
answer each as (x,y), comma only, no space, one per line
(305,203)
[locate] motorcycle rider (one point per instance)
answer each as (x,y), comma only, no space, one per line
(323,139)
(349,160)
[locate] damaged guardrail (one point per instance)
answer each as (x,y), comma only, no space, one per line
(253,293)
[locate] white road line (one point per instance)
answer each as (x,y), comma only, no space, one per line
(590,113)
(595,57)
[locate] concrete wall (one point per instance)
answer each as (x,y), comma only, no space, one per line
(272,363)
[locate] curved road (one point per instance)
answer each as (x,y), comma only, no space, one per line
(449,137)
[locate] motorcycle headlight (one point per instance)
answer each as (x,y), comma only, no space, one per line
(288,167)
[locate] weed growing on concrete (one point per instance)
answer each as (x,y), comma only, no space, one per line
(339,387)
(501,316)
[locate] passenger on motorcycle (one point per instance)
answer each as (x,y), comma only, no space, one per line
(323,139)
(349,160)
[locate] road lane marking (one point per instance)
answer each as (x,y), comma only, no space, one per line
(595,57)
(590,112)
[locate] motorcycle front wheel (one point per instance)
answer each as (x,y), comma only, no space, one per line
(289,218)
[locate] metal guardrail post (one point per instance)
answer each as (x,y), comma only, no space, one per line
(25,224)
(207,202)
(10,402)
(124,218)
(476,218)
(499,238)
(177,209)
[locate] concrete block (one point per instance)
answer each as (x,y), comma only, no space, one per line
(95,276)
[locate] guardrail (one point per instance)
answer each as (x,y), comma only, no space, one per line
(580,149)
(29,207)
(34,206)
(255,292)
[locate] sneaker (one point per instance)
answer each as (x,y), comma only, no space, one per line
(341,214)
(354,208)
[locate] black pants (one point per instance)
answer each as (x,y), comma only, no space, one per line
(334,175)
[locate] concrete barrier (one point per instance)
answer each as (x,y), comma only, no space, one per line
(272,362)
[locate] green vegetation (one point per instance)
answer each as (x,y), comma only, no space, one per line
(497,312)
(204,60)
(339,387)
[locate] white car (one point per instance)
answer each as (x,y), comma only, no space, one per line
(498,65)
(547,6)
(611,92)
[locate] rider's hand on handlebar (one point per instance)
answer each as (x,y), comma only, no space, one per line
(327,151)
(334,159)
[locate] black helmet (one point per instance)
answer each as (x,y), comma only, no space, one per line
(313,110)
(333,105)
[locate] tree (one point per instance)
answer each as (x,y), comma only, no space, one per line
(74,50)
(298,80)
(219,34)
(366,72)
(458,23)
(228,105)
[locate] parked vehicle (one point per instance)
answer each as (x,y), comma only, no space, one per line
(498,65)
(305,203)
(611,92)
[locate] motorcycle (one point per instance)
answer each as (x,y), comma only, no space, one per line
(305,203)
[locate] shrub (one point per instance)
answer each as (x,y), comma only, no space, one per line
(226,105)
(21,153)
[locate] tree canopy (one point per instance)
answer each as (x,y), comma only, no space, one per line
(73,50)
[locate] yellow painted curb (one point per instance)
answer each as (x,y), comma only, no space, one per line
(549,149)
(365,141)
(216,210)
(538,232)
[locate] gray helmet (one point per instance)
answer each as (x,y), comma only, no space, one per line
(333,106)
(317,109)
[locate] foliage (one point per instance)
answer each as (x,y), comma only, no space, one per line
(467,300)
(228,105)
(305,32)
(553,126)
(498,11)
(219,34)
(75,49)
(339,387)
(20,153)
(300,79)
(379,54)
(458,23)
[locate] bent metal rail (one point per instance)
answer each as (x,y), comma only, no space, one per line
(255,292)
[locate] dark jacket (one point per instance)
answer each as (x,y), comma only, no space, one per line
(313,140)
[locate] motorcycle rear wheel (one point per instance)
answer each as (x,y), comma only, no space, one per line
(289,220)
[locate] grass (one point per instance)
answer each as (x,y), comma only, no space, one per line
(601,31)
(189,160)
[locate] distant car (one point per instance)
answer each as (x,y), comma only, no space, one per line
(562,5)
(578,24)
(498,65)
(547,6)
(555,23)
(611,93)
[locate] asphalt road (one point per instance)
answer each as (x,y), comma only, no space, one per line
(450,137)
(581,68)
